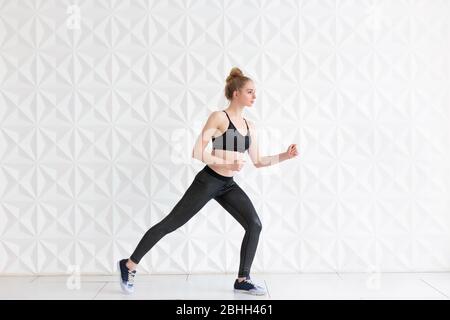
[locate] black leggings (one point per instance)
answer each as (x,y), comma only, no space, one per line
(208,185)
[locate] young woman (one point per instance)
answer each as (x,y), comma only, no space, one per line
(231,136)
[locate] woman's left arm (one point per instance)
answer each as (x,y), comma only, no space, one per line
(265,161)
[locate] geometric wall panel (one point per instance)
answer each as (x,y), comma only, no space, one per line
(101,102)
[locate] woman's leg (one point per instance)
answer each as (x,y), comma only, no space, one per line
(239,205)
(195,197)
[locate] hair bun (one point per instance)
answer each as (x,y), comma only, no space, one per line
(235,72)
(235,81)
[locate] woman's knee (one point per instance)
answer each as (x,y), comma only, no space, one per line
(254,225)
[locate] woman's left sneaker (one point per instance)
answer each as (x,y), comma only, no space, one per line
(247,286)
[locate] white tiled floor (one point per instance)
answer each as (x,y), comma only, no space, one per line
(219,286)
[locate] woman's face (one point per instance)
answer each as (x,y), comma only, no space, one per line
(246,95)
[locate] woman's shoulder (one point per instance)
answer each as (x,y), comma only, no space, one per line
(217,112)
(216,118)
(217,115)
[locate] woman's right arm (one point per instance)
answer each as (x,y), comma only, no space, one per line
(209,130)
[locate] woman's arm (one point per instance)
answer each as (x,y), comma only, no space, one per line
(209,130)
(265,161)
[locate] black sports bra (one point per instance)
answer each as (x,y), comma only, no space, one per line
(231,139)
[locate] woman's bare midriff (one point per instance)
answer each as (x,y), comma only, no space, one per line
(230,156)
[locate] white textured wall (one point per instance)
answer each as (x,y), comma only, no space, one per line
(97,124)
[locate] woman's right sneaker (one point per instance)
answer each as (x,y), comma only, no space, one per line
(126,277)
(247,286)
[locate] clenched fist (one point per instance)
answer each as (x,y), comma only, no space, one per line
(292,151)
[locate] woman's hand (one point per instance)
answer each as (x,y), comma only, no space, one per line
(292,151)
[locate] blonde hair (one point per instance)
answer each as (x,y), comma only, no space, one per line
(235,81)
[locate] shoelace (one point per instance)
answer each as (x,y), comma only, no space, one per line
(131,275)
(249,282)
(253,284)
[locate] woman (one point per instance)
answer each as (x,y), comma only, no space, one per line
(226,129)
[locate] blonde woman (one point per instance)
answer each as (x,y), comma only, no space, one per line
(231,136)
